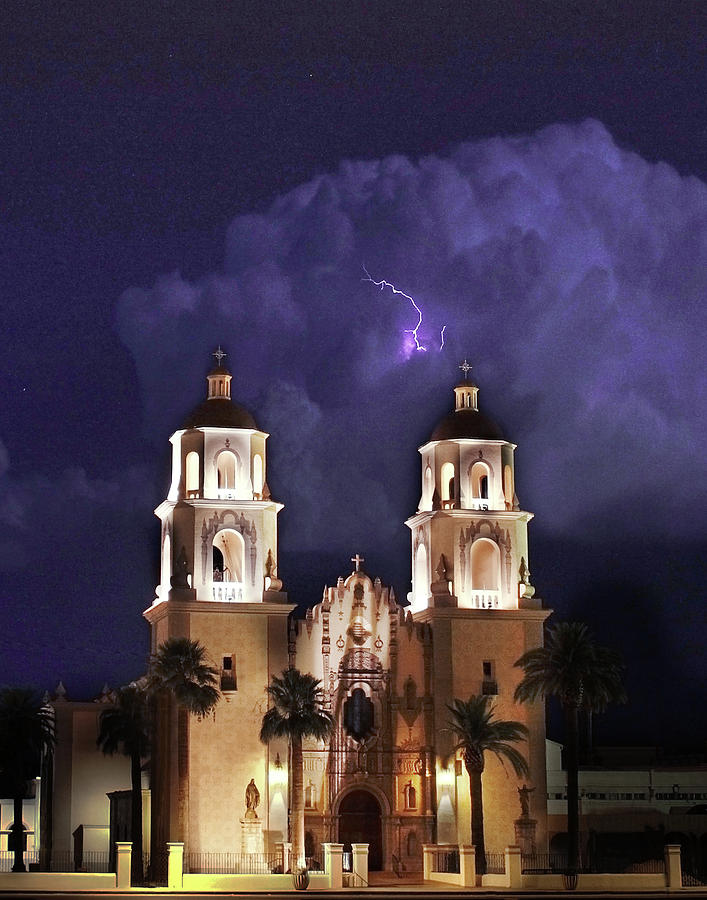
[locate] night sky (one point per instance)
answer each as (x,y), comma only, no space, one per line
(181,175)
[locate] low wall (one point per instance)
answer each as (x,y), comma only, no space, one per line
(57,881)
(446,877)
(317,881)
(597,882)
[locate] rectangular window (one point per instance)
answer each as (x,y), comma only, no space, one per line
(489,685)
(228,673)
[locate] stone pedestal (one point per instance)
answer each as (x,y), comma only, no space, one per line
(252,836)
(525,834)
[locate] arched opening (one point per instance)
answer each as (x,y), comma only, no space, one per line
(229,553)
(508,486)
(358,715)
(480,478)
(227,468)
(257,476)
(485,574)
(422,581)
(412,844)
(447,477)
(360,822)
(192,466)
(166,567)
(427,489)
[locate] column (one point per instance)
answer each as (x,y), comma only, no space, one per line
(360,865)
(123,856)
(467,865)
(333,864)
(428,851)
(673,867)
(175,865)
(514,870)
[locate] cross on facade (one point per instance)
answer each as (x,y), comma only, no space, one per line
(219,355)
(358,560)
(465,367)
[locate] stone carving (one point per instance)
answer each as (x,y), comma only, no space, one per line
(524,575)
(179,579)
(524,797)
(252,800)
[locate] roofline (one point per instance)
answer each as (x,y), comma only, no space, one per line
(499,441)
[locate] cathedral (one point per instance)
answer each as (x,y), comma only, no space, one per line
(389,774)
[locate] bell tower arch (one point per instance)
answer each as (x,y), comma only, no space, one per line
(471,587)
(219,585)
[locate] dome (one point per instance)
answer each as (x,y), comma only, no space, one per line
(220,413)
(466,423)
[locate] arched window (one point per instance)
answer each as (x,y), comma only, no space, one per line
(410,694)
(508,486)
(480,476)
(447,476)
(358,715)
(485,573)
(410,795)
(229,554)
(192,474)
(422,580)
(413,845)
(227,466)
(166,567)
(257,475)
(427,489)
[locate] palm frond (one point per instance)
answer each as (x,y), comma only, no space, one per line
(572,667)
(297,708)
(477,730)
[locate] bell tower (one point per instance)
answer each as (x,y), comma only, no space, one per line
(471,585)
(219,586)
(219,523)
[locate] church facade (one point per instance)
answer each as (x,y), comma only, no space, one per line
(389,774)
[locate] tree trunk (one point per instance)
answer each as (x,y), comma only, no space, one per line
(183,776)
(160,788)
(136,873)
(297,803)
(477,819)
(572,763)
(18,835)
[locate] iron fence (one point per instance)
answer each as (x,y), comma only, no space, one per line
(495,863)
(543,863)
(445,860)
(7,859)
(233,863)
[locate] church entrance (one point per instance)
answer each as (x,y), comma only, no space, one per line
(360,823)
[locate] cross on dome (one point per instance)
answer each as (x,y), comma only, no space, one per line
(358,560)
(219,355)
(465,367)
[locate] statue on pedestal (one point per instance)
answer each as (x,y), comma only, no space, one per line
(252,800)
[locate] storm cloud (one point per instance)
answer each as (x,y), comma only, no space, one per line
(570,272)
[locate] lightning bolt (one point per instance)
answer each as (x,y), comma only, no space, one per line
(441,334)
(413,331)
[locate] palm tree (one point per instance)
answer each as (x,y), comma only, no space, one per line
(584,676)
(179,672)
(296,714)
(26,735)
(124,728)
(477,731)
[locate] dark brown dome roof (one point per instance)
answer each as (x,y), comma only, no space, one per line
(466,423)
(220,413)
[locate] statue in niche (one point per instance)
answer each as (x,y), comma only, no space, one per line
(524,574)
(524,797)
(410,796)
(252,800)
(180,579)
